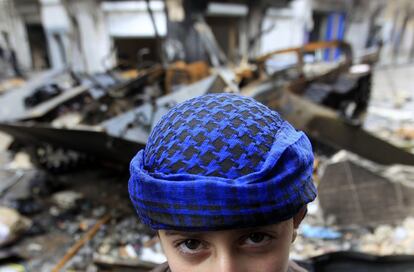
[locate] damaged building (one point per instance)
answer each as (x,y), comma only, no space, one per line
(57,34)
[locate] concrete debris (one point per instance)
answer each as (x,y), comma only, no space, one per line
(61,218)
(8,180)
(75,215)
(127,242)
(67,121)
(5,158)
(107,113)
(154,256)
(19,184)
(390,114)
(383,240)
(21,161)
(5,141)
(12,225)
(388,240)
(12,268)
(10,84)
(367,205)
(401,174)
(66,199)
(396,173)
(355,192)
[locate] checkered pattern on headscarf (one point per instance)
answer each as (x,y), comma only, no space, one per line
(221,161)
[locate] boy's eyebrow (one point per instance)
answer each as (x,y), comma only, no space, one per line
(236,231)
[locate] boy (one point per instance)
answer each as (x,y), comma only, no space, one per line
(225,181)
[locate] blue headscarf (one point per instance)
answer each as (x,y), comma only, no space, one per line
(221,161)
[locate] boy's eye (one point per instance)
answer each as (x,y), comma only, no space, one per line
(191,246)
(257,239)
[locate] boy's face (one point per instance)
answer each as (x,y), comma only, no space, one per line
(244,250)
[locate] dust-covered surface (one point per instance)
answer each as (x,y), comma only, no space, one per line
(391,111)
(58,197)
(390,116)
(62,208)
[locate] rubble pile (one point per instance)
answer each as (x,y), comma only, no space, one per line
(390,114)
(318,239)
(337,225)
(64,200)
(388,240)
(43,215)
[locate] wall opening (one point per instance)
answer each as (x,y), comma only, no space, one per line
(38,46)
(226,31)
(136,52)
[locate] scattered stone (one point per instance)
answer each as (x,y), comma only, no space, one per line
(151,255)
(21,161)
(388,240)
(12,225)
(5,141)
(12,268)
(34,247)
(128,252)
(99,212)
(67,199)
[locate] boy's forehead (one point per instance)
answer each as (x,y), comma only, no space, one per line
(274,228)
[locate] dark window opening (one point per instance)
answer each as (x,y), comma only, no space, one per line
(136,52)
(38,46)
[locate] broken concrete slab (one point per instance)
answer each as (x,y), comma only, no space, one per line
(358,193)
(12,225)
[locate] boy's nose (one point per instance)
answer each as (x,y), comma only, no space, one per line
(226,262)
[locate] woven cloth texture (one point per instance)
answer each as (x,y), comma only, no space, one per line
(221,161)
